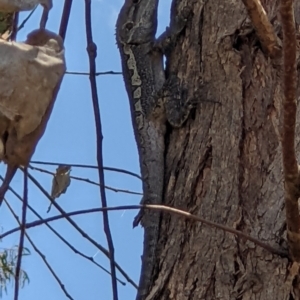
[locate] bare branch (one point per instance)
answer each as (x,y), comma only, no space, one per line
(61,237)
(44,18)
(21,242)
(90,182)
(187,215)
(40,254)
(92,53)
(26,19)
(96,74)
(83,233)
(88,167)
(263,27)
(15,29)
(43,257)
(65,18)
(10,173)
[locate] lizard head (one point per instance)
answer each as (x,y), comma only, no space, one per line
(137,21)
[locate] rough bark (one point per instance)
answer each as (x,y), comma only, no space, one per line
(225,163)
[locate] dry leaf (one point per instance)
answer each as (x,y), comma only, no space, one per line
(21,5)
(30,77)
(60,182)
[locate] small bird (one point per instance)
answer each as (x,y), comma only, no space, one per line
(60,182)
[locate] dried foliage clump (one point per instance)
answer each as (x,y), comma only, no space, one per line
(22,5)
(30,74)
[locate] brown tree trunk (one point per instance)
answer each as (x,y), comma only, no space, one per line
(224,164)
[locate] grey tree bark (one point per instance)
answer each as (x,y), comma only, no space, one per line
(225,163)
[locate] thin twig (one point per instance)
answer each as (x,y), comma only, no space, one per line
(13,35)
(26,19)
(96,74)
(87,167)
(65,18)
(89,181)
(61,237)
(44,18)
(290,166)
(182,213)
(41,255)
(22,233)
(83,233)
(92,53)
(9,175)
(263,27)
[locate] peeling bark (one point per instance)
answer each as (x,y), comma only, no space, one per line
(225,164)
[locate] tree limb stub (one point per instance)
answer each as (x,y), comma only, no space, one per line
(263,27)
(290,167)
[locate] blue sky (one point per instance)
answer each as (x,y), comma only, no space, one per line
(70,138)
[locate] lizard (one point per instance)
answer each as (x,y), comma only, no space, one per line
(151,107)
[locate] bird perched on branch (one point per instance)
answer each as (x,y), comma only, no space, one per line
(60,182)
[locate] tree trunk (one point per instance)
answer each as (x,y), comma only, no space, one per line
(224,164)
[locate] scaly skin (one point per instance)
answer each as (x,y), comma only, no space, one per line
(144,77)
